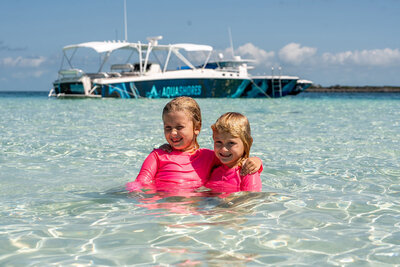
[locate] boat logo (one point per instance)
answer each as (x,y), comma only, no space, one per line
(153,93)
(174,91)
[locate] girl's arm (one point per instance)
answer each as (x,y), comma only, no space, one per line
(251,182)
(146,175)
(251,166)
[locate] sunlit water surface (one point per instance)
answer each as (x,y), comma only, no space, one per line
(331,185)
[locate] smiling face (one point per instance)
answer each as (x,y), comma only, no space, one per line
(228,149)
(179,131)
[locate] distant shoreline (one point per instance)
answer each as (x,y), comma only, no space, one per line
(354,89)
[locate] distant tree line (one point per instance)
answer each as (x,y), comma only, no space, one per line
(346,88)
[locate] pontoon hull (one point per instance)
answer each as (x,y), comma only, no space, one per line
(170,88)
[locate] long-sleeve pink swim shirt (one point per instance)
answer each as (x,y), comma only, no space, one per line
(175,171)
(225,179)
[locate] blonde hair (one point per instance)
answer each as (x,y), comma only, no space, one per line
(189,106)
(236,125)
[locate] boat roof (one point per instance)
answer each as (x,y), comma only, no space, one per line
(109,46)
(100,47)
(193,47)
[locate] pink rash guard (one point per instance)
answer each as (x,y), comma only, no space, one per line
(224,179)
(174,171)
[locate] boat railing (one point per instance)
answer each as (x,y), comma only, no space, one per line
(71,73)
(228,69)
(122,67)
(130,73)
(114,74)
(97,75)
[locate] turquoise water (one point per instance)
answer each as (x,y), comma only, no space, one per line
(331,185)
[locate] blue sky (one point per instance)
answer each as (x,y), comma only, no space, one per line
(347,42)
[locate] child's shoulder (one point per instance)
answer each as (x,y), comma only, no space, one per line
(159,151)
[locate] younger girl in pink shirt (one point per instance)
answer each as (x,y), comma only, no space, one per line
(232,143)
(187,167)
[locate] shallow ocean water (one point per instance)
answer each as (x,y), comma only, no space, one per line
(331,185)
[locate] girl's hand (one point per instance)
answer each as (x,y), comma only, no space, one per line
(250,166)
(166,147)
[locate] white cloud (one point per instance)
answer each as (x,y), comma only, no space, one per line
(22,62)
(28,74)
(376,57)
(293,53)
(258,54)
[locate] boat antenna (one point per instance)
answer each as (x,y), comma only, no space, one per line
(230,39)
(125,22)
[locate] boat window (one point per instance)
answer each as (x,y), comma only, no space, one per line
(136,67)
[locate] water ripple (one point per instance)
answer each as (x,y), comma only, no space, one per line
(330,181)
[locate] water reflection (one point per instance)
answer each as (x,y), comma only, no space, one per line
(205,203)
(193,220)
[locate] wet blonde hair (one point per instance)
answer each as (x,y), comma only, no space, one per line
(236,125)
(189,106)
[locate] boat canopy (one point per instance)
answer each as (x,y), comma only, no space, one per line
(193,47)
(100,47)
(186,47)
(108,47)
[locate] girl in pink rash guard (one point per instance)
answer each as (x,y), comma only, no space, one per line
(187,167)
(232,142)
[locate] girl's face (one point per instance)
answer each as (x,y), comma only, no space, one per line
(179,131)
(228,149)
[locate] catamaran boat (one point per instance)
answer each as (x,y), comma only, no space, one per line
(152,76)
